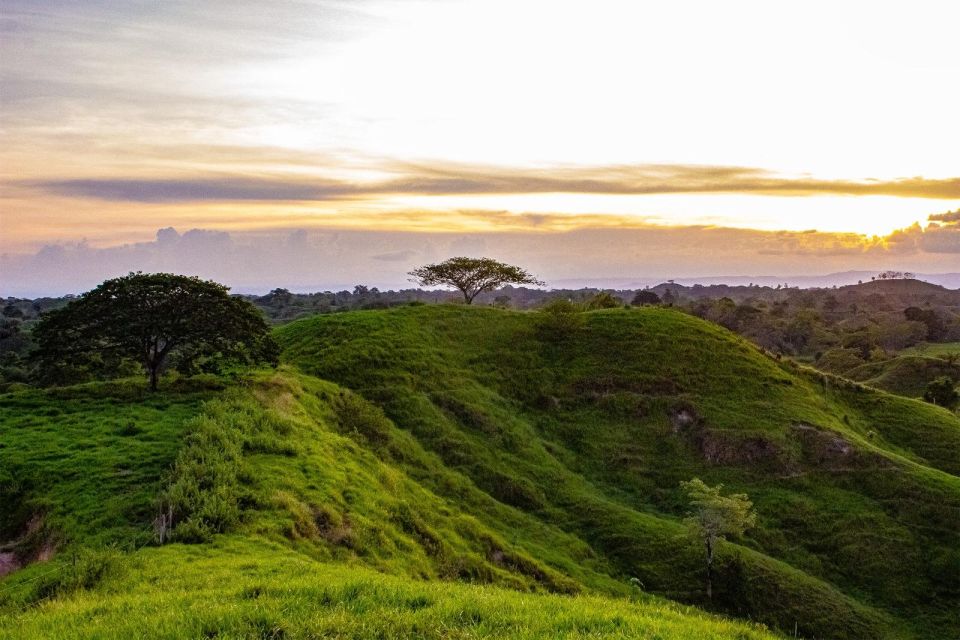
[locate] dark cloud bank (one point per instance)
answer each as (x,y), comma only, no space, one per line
(471,180)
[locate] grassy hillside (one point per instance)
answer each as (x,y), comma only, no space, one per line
(83,464)
(905,375)
(592,433)
(401,451)
(935,349)
(318,525)
(248,588)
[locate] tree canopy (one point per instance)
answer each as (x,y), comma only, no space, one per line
(645,298)
(472,276)
(152,319)
(942,392)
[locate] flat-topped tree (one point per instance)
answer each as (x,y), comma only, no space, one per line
(149,317)
(472,276)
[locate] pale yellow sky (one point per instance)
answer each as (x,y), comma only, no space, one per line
(122,117)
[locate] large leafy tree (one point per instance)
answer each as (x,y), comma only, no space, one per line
(714,516)
(152,319)
(472,276)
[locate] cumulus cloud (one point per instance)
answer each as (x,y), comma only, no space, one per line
(950,217)
(324,259)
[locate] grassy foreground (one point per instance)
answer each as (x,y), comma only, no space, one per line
(329,541)
(247,588)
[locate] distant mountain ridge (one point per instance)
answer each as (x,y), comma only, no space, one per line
(843,278)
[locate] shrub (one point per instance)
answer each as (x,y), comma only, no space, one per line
(604,300)
(559,319)
(357,416)
(204,492)
(942,392)
(83,569)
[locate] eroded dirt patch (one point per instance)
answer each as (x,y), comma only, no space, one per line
(8,563)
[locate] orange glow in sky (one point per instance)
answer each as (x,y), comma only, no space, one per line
(119,118)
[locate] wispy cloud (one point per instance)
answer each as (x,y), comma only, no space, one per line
(646,179)
(161,190)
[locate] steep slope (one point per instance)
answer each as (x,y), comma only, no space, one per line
(590,431)
(84,463)
(312,514)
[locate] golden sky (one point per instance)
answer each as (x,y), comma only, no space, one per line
(122,117)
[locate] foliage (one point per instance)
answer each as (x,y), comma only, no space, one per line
(906,375)
(942,392)
(840,360)
(715,517)
(644,298)
(936,328)
(604,300)
(472,276)
(203,493)
(559,319)
(147,318)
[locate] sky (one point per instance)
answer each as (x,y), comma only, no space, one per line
(297,142)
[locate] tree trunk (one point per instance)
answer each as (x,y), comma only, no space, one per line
(709,570)
(154,374)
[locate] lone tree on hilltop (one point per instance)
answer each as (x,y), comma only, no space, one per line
(472,276)
(148,318)
(715,516)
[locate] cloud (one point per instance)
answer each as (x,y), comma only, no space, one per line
(395,256)
(326,259)
(645,179)
(169,190)
(950,217)
(934,239)
(941,239)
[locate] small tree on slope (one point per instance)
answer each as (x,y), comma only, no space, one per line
(472,276)
(714,517)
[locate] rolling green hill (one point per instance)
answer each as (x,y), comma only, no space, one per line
(906,375)
(326,540)
(397,451)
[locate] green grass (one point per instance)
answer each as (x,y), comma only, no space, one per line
(934,349)
(85,462)
(857,503)
(248,588)
(316,520)
(905,375)
(519,480)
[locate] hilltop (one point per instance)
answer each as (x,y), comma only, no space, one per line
(448,443)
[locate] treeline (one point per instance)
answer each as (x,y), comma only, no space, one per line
(862,322)
(836,329)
